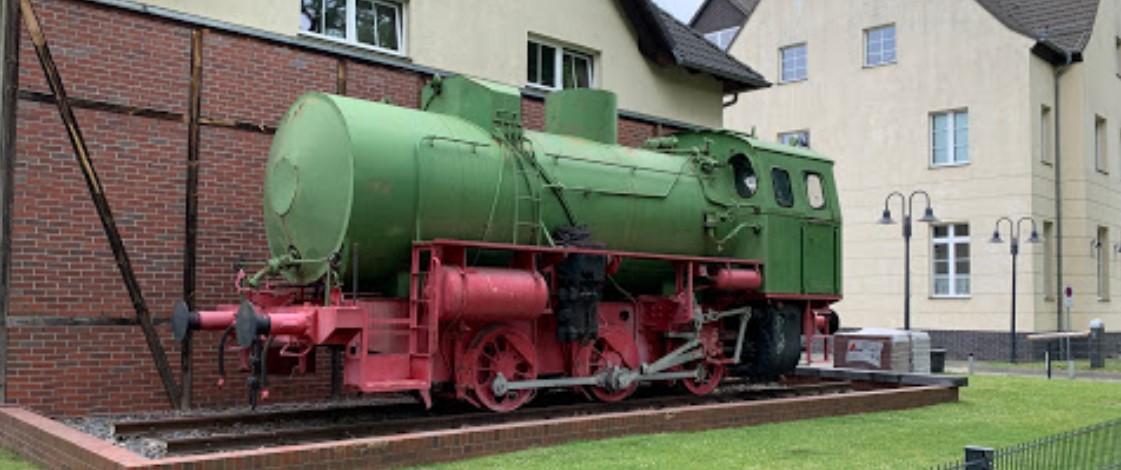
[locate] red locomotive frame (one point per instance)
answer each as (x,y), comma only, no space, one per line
(486,335)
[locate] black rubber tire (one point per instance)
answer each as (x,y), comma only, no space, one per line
(773,344)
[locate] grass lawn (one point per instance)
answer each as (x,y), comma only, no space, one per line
(994,411)
(10,461)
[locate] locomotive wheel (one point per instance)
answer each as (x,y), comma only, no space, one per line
(774,343)
(501,350)
(713,372)
(613,349)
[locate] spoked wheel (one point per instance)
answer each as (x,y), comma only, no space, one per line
(712,374)
(505,355)
(610,353)
(712,371)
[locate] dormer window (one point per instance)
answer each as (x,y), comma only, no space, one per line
(723,38)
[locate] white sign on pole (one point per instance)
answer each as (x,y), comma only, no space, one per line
(1068,298)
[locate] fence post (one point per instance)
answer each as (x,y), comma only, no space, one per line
(979,458)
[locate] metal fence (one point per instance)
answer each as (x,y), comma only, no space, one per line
(1093,447)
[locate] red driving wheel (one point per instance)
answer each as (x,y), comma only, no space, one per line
(500,350)
(712,370)
(613,349)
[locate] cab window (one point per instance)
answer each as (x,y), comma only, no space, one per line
(815,192)
(784,196)
(745,180)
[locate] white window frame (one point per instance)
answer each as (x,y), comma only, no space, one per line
(1102,249)
(351,38)
(782,64)
(1048,260)
(951,143)
(951,240)
(558,64)
(724,37)
(802,136)
(1101,145)
(1046,128)
(1117,54)
(868,43)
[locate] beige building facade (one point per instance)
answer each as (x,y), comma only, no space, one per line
(487,39)
(956,98)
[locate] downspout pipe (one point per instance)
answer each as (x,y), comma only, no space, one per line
(735,99)
(1060,68)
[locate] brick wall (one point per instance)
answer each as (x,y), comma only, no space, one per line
(53,445)
(62,265)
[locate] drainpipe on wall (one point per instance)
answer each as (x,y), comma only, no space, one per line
(1060,69)
(9,71)
(734,100)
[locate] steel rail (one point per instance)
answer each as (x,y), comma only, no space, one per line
(149,427)
(305,434)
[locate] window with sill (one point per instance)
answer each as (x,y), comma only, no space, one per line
(879,46)
(1101,252)
(1045,129)
(949,138)
(950,258)
(373,23)
(795,138)
(1100,145)
(792,63)
(556,67)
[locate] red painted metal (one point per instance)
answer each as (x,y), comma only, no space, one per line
(491,294)
(613,348)
(746,280)
(461,326)
(593,251)
(496,351)
(217,320)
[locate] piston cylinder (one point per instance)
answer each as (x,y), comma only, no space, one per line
(490,294)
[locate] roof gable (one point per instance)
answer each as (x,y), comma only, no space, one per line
(666,41)
(717,15)
(1061,26)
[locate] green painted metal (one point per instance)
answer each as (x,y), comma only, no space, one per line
(344,171)
(480,102)
(583,112)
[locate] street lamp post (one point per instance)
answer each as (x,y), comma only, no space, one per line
(1014,248)
(906,202)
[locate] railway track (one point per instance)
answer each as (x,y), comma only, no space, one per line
(252,430)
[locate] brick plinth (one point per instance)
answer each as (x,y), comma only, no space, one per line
(54,445)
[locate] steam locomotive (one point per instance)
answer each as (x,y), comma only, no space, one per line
(453,253)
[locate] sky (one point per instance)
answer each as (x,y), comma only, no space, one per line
(681,9)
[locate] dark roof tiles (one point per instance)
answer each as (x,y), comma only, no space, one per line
(1067,23)
(693,51)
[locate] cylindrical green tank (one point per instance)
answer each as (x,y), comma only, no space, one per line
(343,171)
